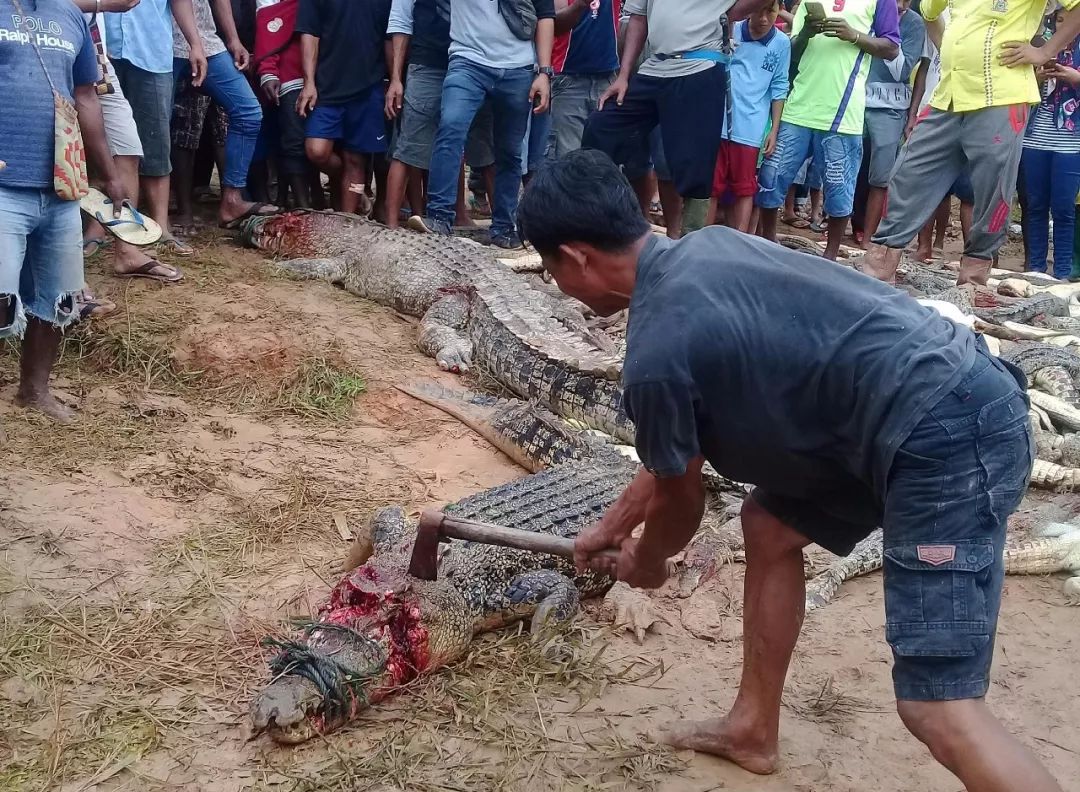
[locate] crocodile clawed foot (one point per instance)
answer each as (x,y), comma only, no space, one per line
(1072,590)
(453,361)
(633,611)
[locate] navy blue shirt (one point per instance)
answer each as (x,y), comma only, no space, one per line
(783,370)
(591,47)
(351,36)
(26,121)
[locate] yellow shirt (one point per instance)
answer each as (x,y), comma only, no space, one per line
(971,77)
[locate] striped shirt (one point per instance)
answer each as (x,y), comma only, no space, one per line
(1044,135)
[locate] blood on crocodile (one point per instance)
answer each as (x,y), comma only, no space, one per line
(367,602)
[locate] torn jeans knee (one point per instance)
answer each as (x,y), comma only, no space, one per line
(13,315)
(63,312)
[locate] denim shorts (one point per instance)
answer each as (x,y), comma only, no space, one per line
(41,260)
(359,123)
(839,156)
(150,96)
(952,485)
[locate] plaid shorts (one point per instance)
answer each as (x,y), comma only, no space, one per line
(189,114)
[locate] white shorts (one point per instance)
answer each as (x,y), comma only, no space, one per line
(120,130)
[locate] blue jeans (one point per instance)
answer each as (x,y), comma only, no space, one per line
(837,156)
(465,88)
(1052,180)
(534,147)
(230,89)
(41,262)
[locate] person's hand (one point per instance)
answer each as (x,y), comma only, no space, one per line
(770,142)
(640,569)
(540,94)
(117,192)
(617,91)
(1062,73)
(271,90)
(598,536)
(912,120)
(239,53)
(197,59)
(118,6)
(395,96)
(305,103)
(1020,53)
(835,27)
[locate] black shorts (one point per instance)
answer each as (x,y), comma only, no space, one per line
(691,127)
(952,485)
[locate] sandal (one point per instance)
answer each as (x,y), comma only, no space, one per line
(797,222)
(177,247)
(91,247)
(147,271)
(131,226)
(819,226)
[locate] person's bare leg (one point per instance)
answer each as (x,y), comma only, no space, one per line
(462,218)
(817,198)
(768,224)
(710,216)
(941,223)
(320,152)
(645,189)
(968,740)
(671,203)
(739,214)
(155,197)
(836,228)
(183,181)
(353,176)
(774,591)
(380,168)
(128,258)
(39,349)
(925,251)
(875,204)
(400,174)
(416,192)
(755,220)
(967,217)
(789,204)
(881,262)
(488,175)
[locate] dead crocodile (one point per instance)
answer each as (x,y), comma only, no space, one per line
(474,311)
(1056,550)
(380,628)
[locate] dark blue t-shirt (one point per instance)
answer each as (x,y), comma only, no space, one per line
(782,369)
(351,35)
(26,118)
(591,47)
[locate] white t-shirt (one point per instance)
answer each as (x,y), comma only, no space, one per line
(933,76)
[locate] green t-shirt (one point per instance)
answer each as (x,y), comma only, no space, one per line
(829,93)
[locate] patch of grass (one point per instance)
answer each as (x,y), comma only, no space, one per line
(319,388)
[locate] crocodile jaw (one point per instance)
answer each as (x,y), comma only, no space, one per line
(283,710)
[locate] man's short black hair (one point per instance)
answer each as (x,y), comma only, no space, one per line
(580,197)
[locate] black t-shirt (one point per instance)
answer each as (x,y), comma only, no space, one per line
(351,36)
(781,369)
(430,41)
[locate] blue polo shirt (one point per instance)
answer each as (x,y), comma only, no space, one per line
(26,131)
(142,36)
(759,75)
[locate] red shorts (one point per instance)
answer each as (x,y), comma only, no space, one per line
(736,170)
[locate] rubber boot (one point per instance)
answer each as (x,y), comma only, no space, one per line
(973,270)
(693,214)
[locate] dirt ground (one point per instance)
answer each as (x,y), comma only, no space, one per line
(233,430)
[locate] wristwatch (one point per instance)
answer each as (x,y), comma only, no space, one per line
(550,72)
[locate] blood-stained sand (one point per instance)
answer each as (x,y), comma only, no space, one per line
(230,429)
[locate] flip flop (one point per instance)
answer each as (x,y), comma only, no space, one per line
(91,247)
(147,271)
(797,222)
(255,210)
(819,227)
(131,226)
(177,247)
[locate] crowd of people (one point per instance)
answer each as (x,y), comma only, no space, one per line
(872,112)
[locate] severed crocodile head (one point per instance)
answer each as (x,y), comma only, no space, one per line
(379,630)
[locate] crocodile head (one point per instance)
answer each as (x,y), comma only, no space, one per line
(288,234)
(379,630)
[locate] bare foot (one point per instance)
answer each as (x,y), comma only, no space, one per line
(718,737)
(46,404)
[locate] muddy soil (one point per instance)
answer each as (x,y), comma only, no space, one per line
(234,431)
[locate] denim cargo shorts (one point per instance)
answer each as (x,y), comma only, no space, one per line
(953,484)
